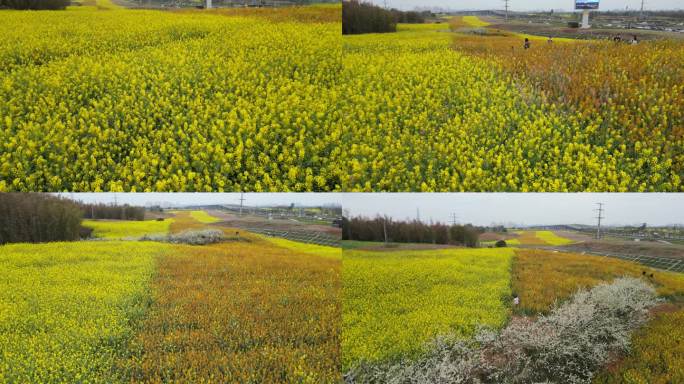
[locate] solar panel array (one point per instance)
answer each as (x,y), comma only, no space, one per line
(664,263)
(309,237)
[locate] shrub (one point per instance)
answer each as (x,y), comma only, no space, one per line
(500,243)
(35,4)
(360,17)
(567,346)
(206,236)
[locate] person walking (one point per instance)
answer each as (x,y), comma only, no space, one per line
(527,43)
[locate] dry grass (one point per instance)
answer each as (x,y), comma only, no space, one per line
(624,93)
(241,312)
(542,277)
(657,355)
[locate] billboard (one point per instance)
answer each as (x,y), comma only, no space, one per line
(586,4)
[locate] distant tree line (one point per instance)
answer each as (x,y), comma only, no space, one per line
(362,17)
(112,212)
(36,218)
(35,4)
(411,17)
(414,231)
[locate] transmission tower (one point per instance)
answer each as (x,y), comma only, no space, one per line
(242,201)
(506,8)
(599,217)
(453,218)
(641,12)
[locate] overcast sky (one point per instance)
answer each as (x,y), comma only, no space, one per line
(251,199)
(522,208)
(527,5)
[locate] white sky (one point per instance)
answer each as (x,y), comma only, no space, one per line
(522,208)
(527,5)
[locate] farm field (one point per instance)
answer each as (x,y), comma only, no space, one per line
(469,111)
(397,302)
(539,238)
(389,293)
(118,229)
(140,100)
(243,310)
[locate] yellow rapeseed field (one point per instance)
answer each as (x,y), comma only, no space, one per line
(396,302)
(428,111)
(115,99)
(68,310)
(120,229)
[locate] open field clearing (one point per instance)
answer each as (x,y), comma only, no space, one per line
(120,229)
(203,217)
(641,347)
(541,278)
(69,310)
(241,312)
(247,309)
(538,238)
(149,100)
(466,112)
(397,302)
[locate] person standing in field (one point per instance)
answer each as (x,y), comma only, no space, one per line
(617,38)
(634,40)
(527,43)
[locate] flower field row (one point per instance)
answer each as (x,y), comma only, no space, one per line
(241,313)
(168,101)
(115,312)
(542,278)
(68,310)
(120,229)
(434,115)
(397,302)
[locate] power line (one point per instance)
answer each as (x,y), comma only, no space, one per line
(599,217)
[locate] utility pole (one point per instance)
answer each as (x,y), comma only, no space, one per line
(506,7)
(385,4)
(599,217)
(242,201)
(418,214)
(641,12)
